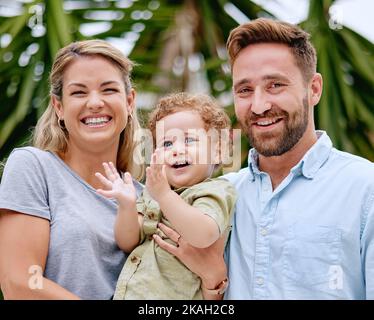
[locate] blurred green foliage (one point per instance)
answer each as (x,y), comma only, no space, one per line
(168,38)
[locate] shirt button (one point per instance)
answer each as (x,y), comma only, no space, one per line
(260,280)
(134,259)
(263,232)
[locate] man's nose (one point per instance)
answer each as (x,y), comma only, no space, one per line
(95,101)
(259,102)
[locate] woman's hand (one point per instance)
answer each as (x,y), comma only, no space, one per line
(207,263)
(123,190)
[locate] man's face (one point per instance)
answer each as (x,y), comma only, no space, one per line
(270,97)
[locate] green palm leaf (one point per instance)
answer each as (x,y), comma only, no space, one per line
(177,34)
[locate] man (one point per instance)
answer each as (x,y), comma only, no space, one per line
(304,221)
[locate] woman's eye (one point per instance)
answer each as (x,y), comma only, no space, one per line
(167,144)
(78,92)
(110,90)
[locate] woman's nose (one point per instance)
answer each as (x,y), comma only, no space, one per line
(95,101)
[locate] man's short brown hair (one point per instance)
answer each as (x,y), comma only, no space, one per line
(264,30)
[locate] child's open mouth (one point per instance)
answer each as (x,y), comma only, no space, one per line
(178,165)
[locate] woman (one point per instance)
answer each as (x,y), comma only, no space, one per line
(56,231)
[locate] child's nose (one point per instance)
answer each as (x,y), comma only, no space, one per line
(179,148)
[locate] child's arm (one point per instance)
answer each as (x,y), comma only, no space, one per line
(197,228)
(128,221)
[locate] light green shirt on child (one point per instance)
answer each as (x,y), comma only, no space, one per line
(152,273)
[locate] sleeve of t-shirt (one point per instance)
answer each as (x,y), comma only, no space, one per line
(217,200)
(23,186)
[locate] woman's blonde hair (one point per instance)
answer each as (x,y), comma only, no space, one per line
(50,135)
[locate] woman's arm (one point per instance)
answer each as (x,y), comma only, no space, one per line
(24,242)
(207,263)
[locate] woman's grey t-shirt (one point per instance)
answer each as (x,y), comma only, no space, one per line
(83,256)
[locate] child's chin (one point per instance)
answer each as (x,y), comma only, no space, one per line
(179,184)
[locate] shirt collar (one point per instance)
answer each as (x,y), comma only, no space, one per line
(307,166)
(181,189)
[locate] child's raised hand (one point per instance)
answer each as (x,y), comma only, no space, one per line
(123,190)
(156,181)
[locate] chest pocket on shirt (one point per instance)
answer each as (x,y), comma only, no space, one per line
(311,260)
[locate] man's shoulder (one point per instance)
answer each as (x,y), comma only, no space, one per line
(351,164)
(237,177)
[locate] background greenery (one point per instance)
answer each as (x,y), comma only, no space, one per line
(179,45)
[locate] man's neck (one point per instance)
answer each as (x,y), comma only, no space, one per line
(87,162)
(278,167)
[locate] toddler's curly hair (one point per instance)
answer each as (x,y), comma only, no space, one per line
(213,116)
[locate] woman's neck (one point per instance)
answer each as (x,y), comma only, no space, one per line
(87,162)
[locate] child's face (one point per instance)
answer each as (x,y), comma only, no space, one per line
(188,150)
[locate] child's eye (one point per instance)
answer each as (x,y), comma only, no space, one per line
(167,144)
(189,140)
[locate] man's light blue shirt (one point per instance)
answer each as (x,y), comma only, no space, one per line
(310,238)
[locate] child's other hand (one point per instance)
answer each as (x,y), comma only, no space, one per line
(122,190)
(156,181)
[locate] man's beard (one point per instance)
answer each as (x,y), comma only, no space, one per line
(275,143)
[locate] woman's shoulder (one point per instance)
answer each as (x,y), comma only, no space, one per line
(30,153)
(30,157)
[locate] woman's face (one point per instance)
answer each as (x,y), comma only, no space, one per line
(94,105)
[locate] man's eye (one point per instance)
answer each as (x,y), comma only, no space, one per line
(276,85)
(167,144)
(244,90)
